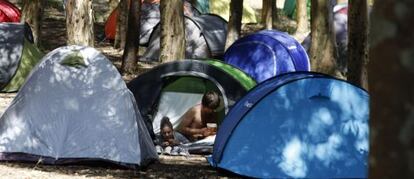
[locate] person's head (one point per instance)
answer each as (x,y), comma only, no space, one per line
(166,127)
(210,101)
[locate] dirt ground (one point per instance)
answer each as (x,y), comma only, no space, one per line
(194,166)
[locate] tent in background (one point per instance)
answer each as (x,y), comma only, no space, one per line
(267,53)
(18,55)
(222,8)
(171,88)
(149,17)
(75,107)
(9,12)
(297,125)
(205,37)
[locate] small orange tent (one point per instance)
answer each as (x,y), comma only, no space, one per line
(110,25)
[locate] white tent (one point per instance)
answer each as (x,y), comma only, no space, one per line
(74,107)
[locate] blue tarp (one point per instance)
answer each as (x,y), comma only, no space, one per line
(266,54)
(296,125)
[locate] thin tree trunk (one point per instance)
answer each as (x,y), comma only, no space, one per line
(129,58)
(391,77)
(79,22)
(234,25)
(32,14)
(358,42)
(275,18)
(267,14)
(323,46)
(121,25)
(172,30)
(301,17)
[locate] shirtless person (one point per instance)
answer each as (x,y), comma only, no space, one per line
(194,122)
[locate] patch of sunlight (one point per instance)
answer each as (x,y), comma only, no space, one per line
(359,129)
(13,131)
(292,163)
(329,152)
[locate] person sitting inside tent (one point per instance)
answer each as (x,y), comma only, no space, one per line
(169,141)
(194,122)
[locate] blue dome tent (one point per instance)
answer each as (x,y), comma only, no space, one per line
(267,53)
(299,124)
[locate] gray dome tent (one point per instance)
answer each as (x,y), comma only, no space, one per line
(75,107)
(205,37)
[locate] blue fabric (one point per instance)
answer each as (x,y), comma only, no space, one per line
(266,54)
(240,109)
(313,127)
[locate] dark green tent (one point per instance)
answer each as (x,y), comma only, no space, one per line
(171,88)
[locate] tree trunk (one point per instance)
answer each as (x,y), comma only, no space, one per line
(172,30)
(129,58)
(358,43)
(301,17)
(267,14)
(79,22)
(323,46)
(121,25)
(32,14)
(391,77)
(234,25)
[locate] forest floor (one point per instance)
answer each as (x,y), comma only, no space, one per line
(54,36)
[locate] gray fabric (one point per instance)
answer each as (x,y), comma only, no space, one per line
(11,48)
(150,17)
(214,29)
(76,111)
(196,45)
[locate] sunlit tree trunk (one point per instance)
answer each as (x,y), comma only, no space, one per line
(234,25)
(323,48)
(391,77)
(129,59)
(32,14)
(268,13)
(79,22)
(301,17)
(121,25)
(358,42)
(172,30)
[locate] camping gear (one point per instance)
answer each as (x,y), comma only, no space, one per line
(296,125)
(9,12)
(205,37)
(222,8)
(75,107)
(171,88)
(267,53)
(149,17)
(17,55)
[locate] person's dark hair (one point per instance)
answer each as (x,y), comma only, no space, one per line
(165,121)
(211,100)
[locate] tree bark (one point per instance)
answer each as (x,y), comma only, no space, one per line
(391,77)
(301,17)
(121,25)
(267,14)
(358,43)
(79,22)
(129,58)
(32,14)
(172,30)
(234,25)
(323,46)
